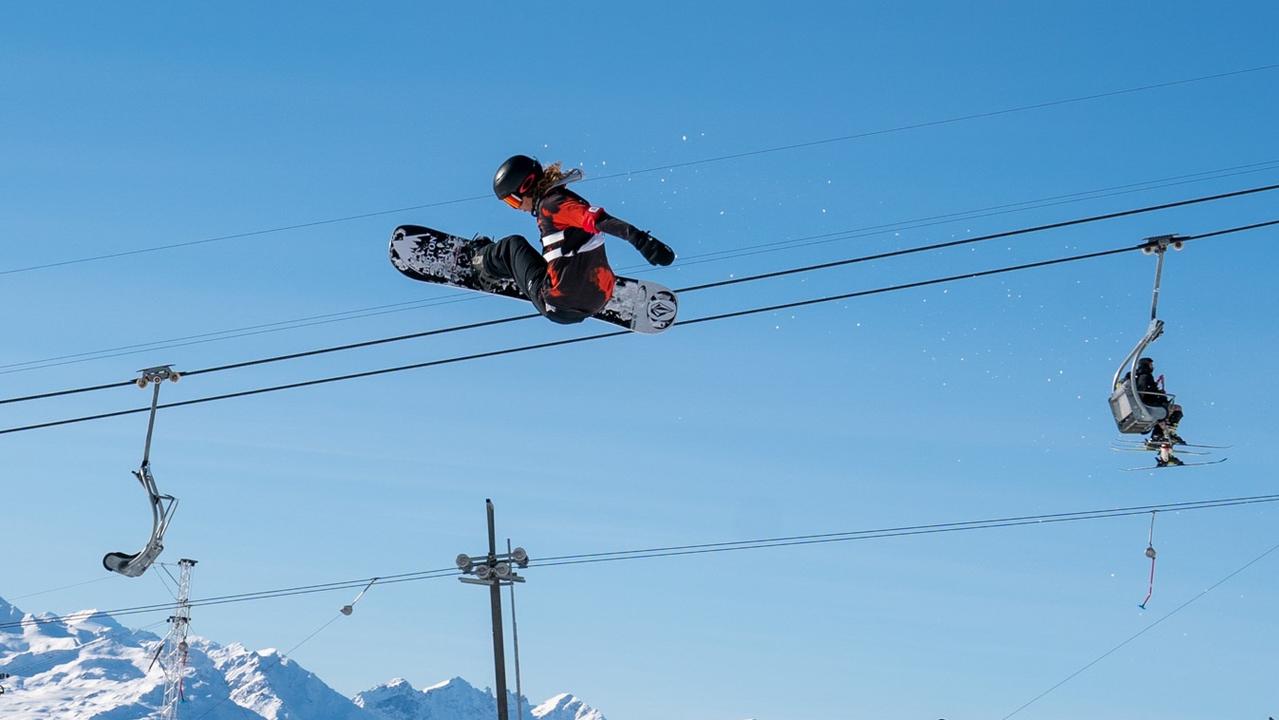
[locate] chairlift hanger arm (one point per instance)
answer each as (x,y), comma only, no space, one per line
(154,376)
(1158,245)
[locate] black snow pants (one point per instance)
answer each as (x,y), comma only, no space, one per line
(514,257)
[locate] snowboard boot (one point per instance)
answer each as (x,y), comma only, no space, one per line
(486,280)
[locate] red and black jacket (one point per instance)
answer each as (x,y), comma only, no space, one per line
(578,276)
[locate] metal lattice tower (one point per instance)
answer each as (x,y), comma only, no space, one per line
(173,655)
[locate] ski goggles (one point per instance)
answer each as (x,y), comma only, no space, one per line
(516,199)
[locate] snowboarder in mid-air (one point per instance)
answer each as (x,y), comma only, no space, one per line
(1164,433)
(570,279)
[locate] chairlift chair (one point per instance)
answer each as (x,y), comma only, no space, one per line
(162,506)
(1132,414)
(162,509)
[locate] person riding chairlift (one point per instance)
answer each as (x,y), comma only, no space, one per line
(1151,392)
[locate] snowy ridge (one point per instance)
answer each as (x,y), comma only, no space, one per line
(458,700)
(566,707)
(83,668)
(97,669)
(276,687)
(453,698)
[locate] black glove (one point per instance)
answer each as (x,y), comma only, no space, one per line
(654,251)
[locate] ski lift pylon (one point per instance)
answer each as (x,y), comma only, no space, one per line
(162,506)
(1132,415)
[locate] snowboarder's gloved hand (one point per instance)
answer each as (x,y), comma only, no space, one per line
(654,251)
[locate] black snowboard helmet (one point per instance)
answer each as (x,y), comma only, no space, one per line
(516,178)
(1145,363)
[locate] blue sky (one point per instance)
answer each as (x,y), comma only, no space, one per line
(978,399)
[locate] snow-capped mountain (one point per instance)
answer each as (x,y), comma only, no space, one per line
(397,700)
(566,707)
(97,669)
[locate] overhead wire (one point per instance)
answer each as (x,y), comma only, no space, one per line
(864,535)
(172,592)
(685,261)
(614,334)
(62,393)
(668,166)
(977,214)
(670,551)
(237,598)
(954,119)
(990,236)
(677,550)
(902,531)
(1143,631)
(280,658)
(98,579)
(231,333)
(722,283)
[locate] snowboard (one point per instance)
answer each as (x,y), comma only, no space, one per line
(428,255)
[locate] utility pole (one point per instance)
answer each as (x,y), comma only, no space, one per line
(495,571)
(515,636)
(173,657)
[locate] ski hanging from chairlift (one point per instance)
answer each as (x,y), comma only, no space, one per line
(162,506)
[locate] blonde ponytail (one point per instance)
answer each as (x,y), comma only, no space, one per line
(553,176)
